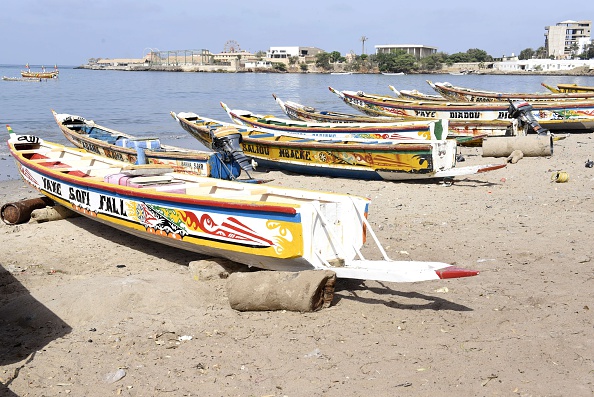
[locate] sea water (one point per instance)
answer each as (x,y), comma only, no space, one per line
(139,103)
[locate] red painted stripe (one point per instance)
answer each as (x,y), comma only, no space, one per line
(455,272)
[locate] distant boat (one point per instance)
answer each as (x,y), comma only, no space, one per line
(393,74)
(5,78)
(40,75)
(341,73)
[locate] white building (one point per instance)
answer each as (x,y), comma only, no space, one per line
(417,50)
(567,38)
(544,65)
(282,54)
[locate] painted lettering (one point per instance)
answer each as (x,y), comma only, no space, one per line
(111,205)
(425,113)
(81,196)
(296,154)
(52,186)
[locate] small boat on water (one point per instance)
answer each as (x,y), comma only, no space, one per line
(465,132)
(463,94)
(416,95)
(88,135)
(35,79)
(393,73)
(53,74)
(399,130)
(554,115)
(334,157)
(568,88)
(257,225)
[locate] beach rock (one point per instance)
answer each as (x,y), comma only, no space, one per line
(214,269)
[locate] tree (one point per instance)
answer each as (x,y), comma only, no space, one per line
(477,55)
(293,60)
(303,66)
(526,53)
(323,60)
(396,62)
(279,66)
(541,53)
(335,56)
(433,61)
(588,52)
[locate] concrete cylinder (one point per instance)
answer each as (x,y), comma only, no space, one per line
(20,211)
(529,145)
(303,291)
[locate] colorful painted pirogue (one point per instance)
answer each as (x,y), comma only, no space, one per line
(257,225)
(120,146)
(463,94)
(369,160)
(568,88)
(555,116)
(40,75)
(465,131)
(400,130)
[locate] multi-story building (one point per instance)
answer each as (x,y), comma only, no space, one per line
(282,54)
(567,39)
(418,51)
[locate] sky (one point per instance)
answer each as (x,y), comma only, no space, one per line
(70,32)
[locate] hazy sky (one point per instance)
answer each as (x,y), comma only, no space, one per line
(69,32)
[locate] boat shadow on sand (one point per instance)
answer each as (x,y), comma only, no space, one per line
(348,289)
(26,327)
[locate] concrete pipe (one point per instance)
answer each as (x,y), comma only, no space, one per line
(529,145)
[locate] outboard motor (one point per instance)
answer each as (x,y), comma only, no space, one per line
(227,140)
(522,111)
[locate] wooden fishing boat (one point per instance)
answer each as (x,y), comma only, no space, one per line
(416,95)
(365,160)
(462,94)
(407,130)
(107,142)
(6,78)
(568,88)
(555,116)
(463,130)
(40,75)
(256,225)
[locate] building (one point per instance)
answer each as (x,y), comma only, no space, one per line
(567,38)
(542,65)
(416,50)
(282,54)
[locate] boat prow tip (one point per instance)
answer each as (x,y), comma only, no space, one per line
(455,272)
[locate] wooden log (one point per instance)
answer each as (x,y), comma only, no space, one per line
(55,213)
(305,291)
(20,211)
(529,145)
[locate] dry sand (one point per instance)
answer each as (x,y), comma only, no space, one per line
(82,304)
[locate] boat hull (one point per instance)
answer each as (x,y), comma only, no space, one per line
(556,116)
(76,130)
(355,160)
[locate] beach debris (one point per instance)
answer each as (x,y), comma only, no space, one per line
(55,213)
(560,177)
(515,156)
(304,291)
(589,163)
(316,353)
(20,211)
(113,377)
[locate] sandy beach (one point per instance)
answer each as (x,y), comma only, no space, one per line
(86,310)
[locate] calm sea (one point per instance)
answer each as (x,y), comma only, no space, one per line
(139,102)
